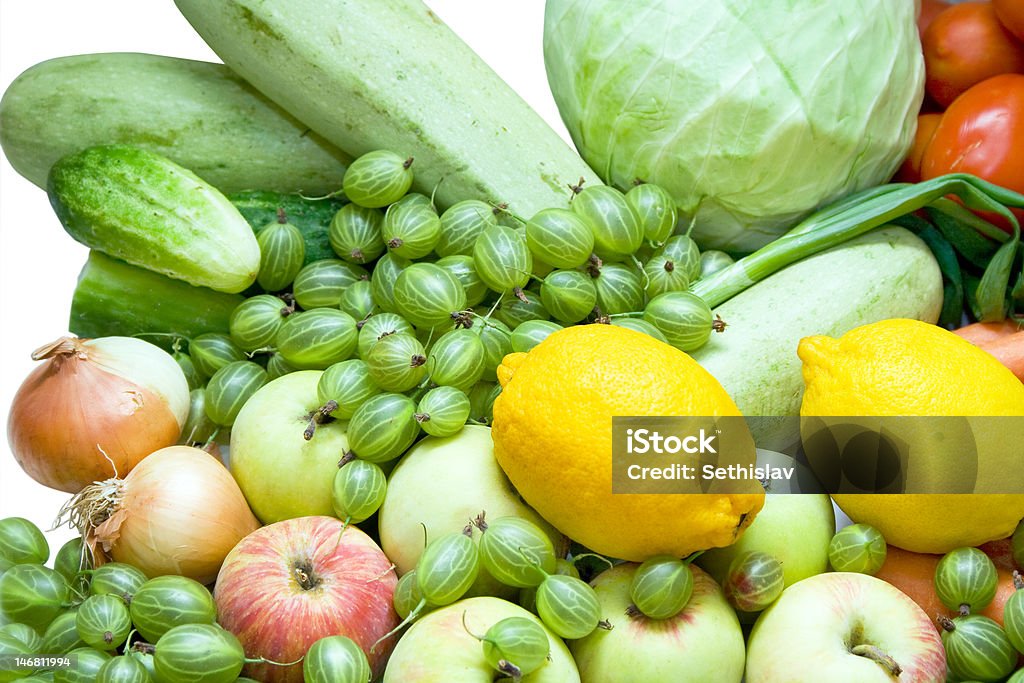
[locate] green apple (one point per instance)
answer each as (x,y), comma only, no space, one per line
(702,643)
(795,528)
(439,486)
(844,627)
(281,474)
(441,647)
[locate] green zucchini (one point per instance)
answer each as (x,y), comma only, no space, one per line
(389,74)
(145,209)
(311,216)
(115,298)
(198,114)
(887,273)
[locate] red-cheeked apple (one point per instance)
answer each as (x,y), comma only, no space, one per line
(701,643)
(286,585)
(844,628)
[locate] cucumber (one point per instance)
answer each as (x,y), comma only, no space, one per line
(115,298)
(389,74)
(143,208)
(198,114)
(887,273)
(311,216)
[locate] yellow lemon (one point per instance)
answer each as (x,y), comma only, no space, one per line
(552,435)
(907,367)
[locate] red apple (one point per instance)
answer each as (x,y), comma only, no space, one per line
(286,585)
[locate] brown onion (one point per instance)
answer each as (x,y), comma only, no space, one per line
(94,408)
(178,512)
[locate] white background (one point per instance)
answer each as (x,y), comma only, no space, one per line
(39,262)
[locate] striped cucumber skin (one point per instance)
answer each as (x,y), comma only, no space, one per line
(978,649)
(145,209)
(168,601)
(413,87)
(201,115)
(198,653)
(889,273)
(311,216)
(158,304)
(447,568)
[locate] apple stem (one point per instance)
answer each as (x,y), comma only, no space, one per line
(877,655)
(1018,580)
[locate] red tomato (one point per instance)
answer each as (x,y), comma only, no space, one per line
(982,133)
(910,171)
(929,10)
(964,45)
(1011,13)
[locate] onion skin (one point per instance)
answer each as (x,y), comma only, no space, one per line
(179,512)
(94,408)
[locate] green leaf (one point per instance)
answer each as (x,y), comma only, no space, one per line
(961,228)
(991,292)
(953,291)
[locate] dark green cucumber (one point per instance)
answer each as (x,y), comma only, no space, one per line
(311,216)
(198,114)
(145,209)
(115,298)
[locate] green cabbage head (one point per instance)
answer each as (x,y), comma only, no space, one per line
(752,113)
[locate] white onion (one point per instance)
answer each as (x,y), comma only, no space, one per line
(178,512)
(94,408)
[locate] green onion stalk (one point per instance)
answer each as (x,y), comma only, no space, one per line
(864,211)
